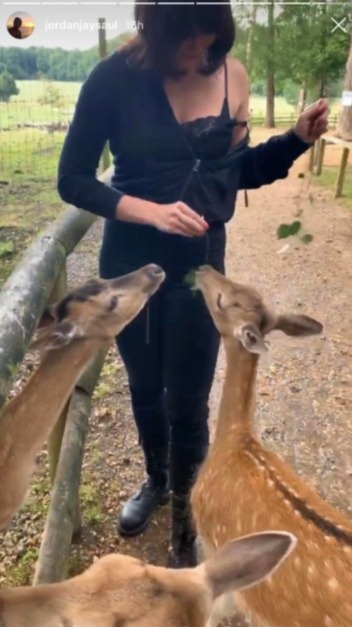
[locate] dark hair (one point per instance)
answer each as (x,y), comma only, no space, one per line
(163,28)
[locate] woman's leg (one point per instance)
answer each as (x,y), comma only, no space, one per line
(139,347)
(191,347)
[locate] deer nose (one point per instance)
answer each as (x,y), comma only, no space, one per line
(154,270)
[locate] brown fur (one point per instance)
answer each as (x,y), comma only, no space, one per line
(243,488)
(116,591)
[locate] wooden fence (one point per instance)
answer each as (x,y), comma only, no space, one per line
(39,279)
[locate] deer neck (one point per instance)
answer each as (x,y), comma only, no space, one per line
(28,418)
(237,405)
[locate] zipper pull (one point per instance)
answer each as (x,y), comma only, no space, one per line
(196,165)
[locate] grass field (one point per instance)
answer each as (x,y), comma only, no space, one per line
(27,107)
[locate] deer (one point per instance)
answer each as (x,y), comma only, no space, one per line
(116,590)
(243,488)
(70,333)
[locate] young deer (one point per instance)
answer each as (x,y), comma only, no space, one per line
(243,488)
(83,322)
(116,591)
(121,591)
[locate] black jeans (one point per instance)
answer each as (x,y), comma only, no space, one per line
(170,349)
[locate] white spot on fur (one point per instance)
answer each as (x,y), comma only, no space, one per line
(311,570)
(333,584)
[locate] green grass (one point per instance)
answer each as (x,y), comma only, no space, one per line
(26,106)
(31,152)
(282,108)
(328,178)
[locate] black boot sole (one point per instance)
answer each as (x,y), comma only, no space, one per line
(131,533)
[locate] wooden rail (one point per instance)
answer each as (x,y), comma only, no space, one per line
(317,159)
(37,280)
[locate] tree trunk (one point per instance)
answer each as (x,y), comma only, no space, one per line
(344,126)
(270,70)
(324,36)
(252,22)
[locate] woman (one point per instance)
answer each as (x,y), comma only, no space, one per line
(174,110)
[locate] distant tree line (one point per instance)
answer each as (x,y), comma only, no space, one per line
(53,63)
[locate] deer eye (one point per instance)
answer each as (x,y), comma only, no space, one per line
(236,304)
(113,303)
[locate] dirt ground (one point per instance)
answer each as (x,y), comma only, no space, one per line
(304,386)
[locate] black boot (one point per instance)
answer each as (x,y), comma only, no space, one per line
(136,513)
(183,547)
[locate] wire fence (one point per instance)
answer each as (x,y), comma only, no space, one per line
(33,126)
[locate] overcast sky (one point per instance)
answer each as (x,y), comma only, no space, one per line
(67,25)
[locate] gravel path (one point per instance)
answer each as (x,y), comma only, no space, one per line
(304,386)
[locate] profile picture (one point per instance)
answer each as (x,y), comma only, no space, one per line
(20,25)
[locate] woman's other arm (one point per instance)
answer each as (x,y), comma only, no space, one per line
(88,132)
(77,183)
(272,160)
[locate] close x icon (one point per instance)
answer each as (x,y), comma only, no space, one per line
(341,24)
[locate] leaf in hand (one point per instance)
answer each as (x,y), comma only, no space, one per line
(190,279)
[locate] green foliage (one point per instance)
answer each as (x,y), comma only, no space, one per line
(286,230)
(51,96)
(305,53)
(290,92)
(8,86)
(295,228)
(6,249)
(53,63)
(307,238)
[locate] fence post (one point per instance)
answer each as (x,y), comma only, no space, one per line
(320,157)
(103,51)
(341,175)
(311,158)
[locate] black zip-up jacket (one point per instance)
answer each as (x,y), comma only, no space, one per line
(128,107)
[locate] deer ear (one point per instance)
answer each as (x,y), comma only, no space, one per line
(245,562)
(297,325)
(56,336)
(251,339)
(48,317)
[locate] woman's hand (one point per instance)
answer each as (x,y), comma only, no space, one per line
(313,122)
(178,219)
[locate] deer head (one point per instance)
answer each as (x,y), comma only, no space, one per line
(238,311)
(98,310)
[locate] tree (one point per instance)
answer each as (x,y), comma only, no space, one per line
(51,96)
(270,69)
(8,86)
(311,66)
(249,46)
(344,127)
